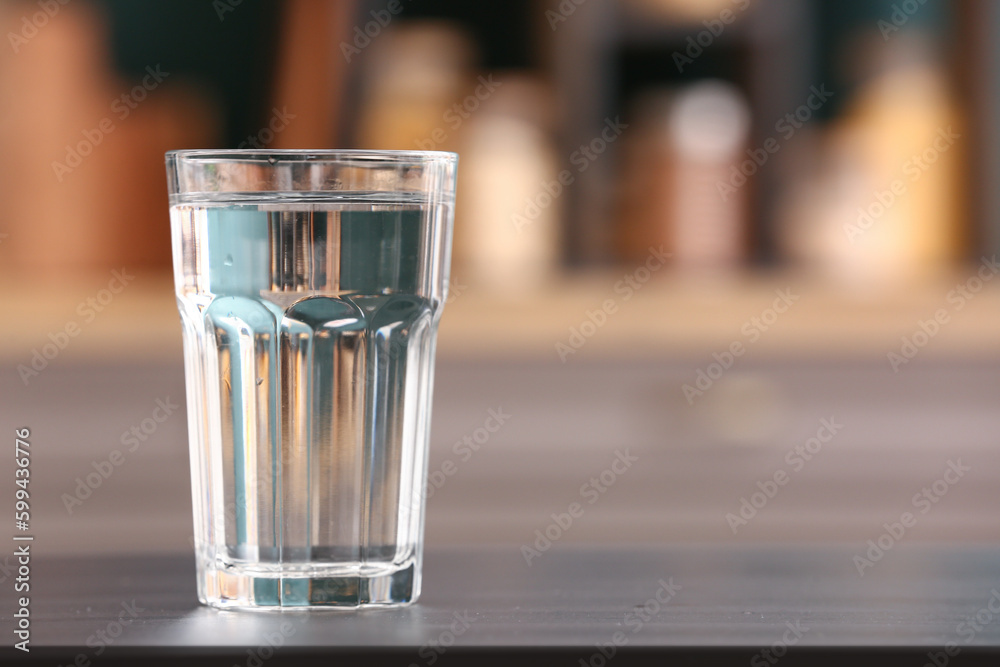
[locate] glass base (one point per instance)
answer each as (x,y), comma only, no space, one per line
(241,588)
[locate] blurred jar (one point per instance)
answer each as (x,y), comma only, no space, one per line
(885,203)
(81,173)
(678,165)
(511,196)
(415,72)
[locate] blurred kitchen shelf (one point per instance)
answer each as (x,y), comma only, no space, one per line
(674,316)
(772,46)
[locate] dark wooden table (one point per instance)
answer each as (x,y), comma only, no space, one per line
(664,520)
(727,605)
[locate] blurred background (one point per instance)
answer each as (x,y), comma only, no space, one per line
(694,228)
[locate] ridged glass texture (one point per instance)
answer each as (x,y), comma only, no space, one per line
(309,320)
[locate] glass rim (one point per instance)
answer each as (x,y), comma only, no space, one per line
(310,155)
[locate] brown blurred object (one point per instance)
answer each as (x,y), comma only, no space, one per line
(413,74)
(310,77)
(644,193)
(675,189)
(110,210)
(61,97)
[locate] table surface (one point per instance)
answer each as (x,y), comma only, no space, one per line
(793,563)
(575,597)
(567,421)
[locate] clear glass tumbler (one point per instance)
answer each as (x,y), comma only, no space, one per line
(310,285)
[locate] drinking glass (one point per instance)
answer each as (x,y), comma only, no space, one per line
(310,285)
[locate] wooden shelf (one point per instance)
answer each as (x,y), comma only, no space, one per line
(672,316)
